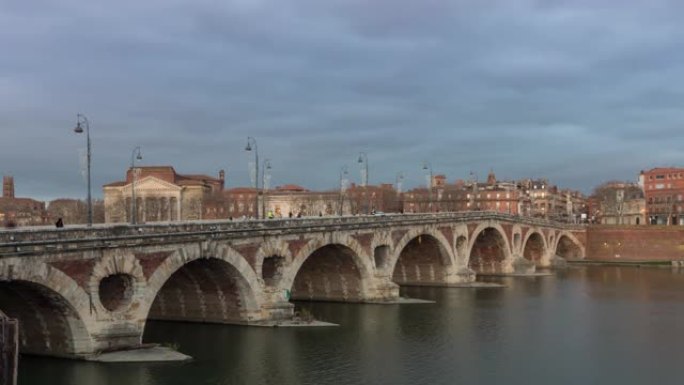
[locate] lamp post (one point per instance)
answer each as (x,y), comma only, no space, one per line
(363,161)
(251,142)
(135,155)
(81,121)
(343,179)
(265,167)
(399,184)
(399,181)
(427,166)
(474,190)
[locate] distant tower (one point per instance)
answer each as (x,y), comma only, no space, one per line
(8,187)
(222,178)
(491,178)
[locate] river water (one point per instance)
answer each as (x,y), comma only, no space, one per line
(585,325)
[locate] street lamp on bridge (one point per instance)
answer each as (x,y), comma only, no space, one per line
(427,166)
(399,181)
(252,144)
(264,177)
(344,172)
(399,185)
(135,155)
(363,162)
(81,121)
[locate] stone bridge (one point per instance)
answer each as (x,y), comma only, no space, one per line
(81,291)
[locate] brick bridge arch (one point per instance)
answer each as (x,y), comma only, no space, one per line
(490,249)
(334,268)
(53,310)
(568,246)
(215,285)
(423,256)
(534,247)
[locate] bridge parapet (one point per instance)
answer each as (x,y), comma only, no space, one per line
(27,241)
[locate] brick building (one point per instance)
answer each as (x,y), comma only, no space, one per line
(161,195)
(492,195)
(20,211)
(525,197)
(548,201)
(663,192)
(234,202)
(296,200)
(372,198)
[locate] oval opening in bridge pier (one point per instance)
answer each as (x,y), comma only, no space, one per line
(534,248)
(381,256)
(272,269)
(461,246)
(116,291)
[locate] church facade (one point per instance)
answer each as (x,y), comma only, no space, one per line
(161,195)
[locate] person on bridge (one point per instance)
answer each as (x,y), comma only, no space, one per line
(59,224)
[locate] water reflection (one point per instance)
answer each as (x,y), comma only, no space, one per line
(582,325)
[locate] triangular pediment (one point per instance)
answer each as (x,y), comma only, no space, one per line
(150,183)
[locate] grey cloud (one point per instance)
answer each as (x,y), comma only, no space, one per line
(578,92)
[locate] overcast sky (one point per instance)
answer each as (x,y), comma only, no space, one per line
(576,91)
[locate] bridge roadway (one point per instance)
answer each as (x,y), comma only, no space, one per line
(78,291)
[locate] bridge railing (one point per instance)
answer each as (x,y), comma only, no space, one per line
(34,240)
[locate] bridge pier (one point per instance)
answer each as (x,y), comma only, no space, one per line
(519,265)
(276,305)
(115,336)
(383,290)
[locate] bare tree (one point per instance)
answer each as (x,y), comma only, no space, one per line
(612,195)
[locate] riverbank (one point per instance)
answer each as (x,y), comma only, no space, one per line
(635,244)
(634,263)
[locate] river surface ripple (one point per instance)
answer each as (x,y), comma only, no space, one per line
(585,325)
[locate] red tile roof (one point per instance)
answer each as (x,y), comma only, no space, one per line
(291,187)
